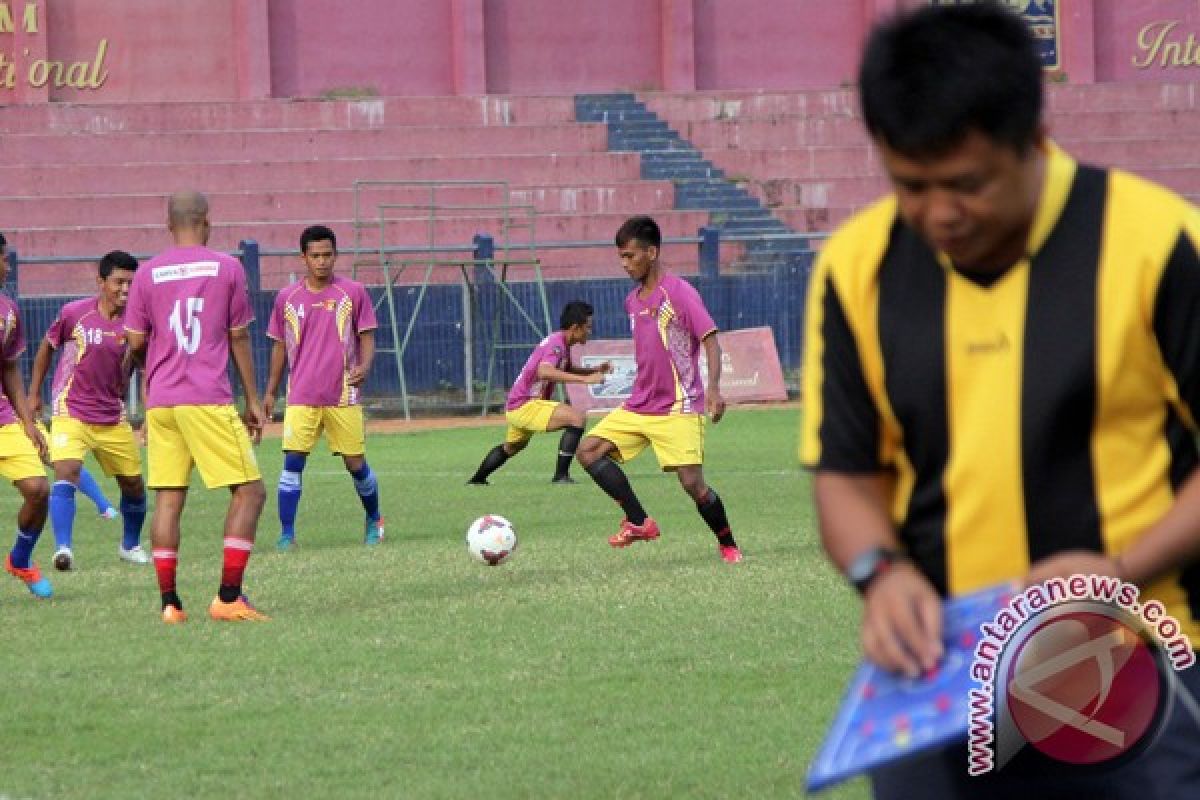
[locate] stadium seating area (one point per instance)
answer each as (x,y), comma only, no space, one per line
(806,153)
(80,180)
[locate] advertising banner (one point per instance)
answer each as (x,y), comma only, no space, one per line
(750,370)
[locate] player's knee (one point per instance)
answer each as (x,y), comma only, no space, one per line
(36,491)
(693,484)
(590,449)
(252,494)
(512,448)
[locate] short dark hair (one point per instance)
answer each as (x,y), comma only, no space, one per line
(931,76)
(642,228)
(317,233)
(117,259)
(3,242)
(575,312)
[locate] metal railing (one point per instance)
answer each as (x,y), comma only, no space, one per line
(442,357)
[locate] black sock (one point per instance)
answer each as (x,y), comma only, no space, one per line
(567,446)
(609,477)
(713,511)
(229,593)
(171,599)
(493,461)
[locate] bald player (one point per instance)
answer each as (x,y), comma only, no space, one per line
(188,314)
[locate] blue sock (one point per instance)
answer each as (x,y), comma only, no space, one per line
(62,512)
(368,490)
(290,487)
(88,485)
(133,514)
(23,548)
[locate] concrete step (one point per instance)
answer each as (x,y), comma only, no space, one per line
(487,110)
(824,163)
(257,206)
(277,175)
(750,104)
(283,234)
(695,171)
(247,145)
(1067,128)
(769,104)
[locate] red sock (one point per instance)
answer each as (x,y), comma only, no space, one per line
(237,553)
(164,565)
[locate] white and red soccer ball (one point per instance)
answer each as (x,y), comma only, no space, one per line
(491,539)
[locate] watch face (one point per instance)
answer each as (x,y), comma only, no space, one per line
(868,565)
(863,566)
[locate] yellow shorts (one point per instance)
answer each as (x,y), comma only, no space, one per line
(113,445)
(211,437)
(18,457)
(531,417)
(678,439)
(343,426)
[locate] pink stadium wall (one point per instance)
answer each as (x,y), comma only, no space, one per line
(384,46)
(140,51)
(772,45)
(541,46)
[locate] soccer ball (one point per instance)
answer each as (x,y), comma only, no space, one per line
(491,539)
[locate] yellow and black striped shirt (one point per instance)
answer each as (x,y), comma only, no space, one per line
(1053,409)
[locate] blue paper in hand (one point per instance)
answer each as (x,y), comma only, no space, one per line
(885,717)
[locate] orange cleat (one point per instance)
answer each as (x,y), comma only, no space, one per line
(631,533)
(239,610)
(31,576)
(173,616)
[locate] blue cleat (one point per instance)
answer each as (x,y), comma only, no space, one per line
(31,576)
(373,534)
(285,543)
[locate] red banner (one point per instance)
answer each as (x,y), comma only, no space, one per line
(750,370)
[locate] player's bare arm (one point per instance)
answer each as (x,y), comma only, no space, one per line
(136,342)
(713,401)
(547,372)
(902,614)
(243,361)
(602,368)
(41,367)
(274,377)
(366,355)
(1173,540)
(140,430)
(10,376)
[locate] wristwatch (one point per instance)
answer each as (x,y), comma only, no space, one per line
(869,565)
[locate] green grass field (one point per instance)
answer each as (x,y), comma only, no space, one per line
(575,670)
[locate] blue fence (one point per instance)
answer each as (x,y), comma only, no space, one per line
(435,362)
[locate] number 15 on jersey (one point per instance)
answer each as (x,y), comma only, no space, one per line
(185,323)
